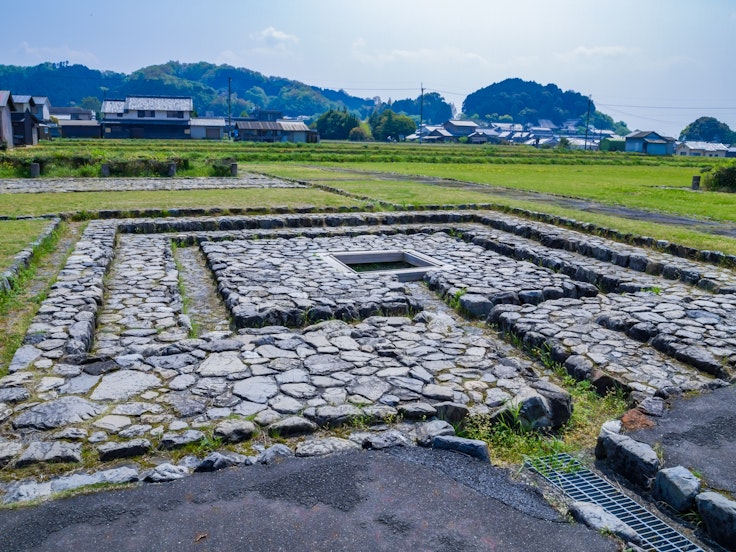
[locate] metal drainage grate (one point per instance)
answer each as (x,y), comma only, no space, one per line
(581,484)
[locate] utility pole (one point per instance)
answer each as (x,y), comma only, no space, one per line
(421,110)
(229,113)
(587,124)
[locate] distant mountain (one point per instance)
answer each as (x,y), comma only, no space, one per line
(528,102)
(207,83)
(510,100)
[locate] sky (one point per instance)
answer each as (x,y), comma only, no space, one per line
(655,64)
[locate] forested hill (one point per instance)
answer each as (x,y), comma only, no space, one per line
(526,102)
(205,82)
(512,100)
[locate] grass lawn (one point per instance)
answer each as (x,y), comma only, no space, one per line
(659,188)
(77,202)
(16,235)
(414,192)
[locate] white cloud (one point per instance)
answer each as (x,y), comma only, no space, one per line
(271,40)
(62,53)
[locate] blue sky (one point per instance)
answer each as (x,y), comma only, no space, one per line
(656,64)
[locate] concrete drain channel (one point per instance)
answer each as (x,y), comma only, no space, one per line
(579,483)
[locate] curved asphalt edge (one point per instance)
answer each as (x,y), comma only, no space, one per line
(401,499)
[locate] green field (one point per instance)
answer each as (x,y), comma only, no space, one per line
(15,235)
(391,173)
(89,202)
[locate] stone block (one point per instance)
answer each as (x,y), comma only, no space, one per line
(472,447)
(634,460)
(676,486)
(719,517)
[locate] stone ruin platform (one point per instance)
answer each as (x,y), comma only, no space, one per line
(111,368)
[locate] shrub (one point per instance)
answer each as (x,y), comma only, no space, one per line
(357,134)
(722,179)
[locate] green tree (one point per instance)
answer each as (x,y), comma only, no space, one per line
(336,125)
(91,102)
(432,108)
(564,144)
(708,129)
(358,134)
(257,96)
(388,124)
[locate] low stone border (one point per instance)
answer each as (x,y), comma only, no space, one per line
(22,259)
(677,486)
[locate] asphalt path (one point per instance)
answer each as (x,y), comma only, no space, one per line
(406,498)
(699,433)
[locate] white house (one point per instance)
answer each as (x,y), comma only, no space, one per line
(207,128)
(701,149)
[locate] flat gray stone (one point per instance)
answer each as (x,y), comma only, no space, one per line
(370,387)
(438,392)
(285,405)
(216,461)
(321,447)
(427,431)
(24,356)
(26,491)
(222,364)
(299,390)
(294,425)
(320,365)
(274,454)
(79,385)
(472,447)
(598,519)
(270,351)
(257,389)
(116,476)
(171,440)
(50,452)
(57,413)
(182,382)
(235,431)
(385,439)
(14,394)
(333,415)
(9,450)
(124,384)
(112,423)
(124,449)
(165,472)
(185,406)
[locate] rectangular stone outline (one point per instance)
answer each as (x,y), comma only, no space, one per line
(340,260)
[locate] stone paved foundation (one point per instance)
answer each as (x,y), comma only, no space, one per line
(109,370)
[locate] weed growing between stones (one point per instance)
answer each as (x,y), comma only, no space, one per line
(453,300)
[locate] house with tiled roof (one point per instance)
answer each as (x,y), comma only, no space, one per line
(650,143)
(7,105)
(458,128)
(161,117)
(274,131)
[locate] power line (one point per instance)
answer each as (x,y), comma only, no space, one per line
(664,107)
